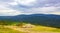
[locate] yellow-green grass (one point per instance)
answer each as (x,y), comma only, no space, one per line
(45,29)
(8,30)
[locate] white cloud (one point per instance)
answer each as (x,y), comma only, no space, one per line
(44,10)
(56,12)
(26,2)
(13,3)
(5,11)
(48,9)
(36,6)
(23,2)
(9,12)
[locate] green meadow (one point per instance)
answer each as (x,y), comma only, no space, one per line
(19,25)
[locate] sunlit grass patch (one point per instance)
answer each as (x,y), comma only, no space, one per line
(8,30)
(46,29)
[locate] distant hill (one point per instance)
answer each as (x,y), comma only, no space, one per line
(40,19)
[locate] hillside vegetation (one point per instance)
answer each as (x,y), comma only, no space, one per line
(24,26)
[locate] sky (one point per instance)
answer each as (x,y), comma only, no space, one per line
(18,7)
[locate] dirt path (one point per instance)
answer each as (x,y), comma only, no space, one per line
(26,30)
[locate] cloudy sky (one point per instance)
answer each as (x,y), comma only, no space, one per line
(18,7)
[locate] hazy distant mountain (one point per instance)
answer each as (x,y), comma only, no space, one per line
(36,17)
(41,19)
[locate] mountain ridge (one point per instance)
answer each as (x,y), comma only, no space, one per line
(40,19)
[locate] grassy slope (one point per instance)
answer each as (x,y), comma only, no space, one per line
(45,29)
(36,28)
(7,30)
